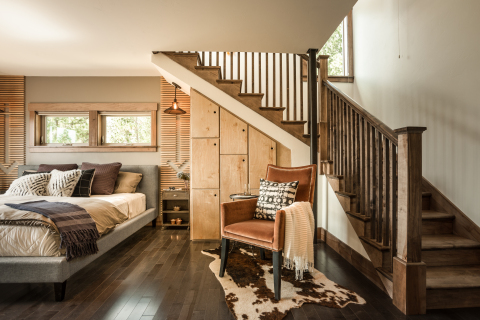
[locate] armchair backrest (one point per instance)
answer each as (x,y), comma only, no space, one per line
(306,176)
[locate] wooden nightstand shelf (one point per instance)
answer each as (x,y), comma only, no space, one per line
(171,199)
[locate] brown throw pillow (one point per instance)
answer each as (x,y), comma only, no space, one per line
(59,167)
(127,182)
(105,176)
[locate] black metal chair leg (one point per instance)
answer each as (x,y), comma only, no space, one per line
(277,274)
(60,288)
(223,263)
(262,253)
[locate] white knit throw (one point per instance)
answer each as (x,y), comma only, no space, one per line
(298,248)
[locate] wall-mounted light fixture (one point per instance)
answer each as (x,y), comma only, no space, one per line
(175,109)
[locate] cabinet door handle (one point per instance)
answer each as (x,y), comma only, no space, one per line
(243,130)
(243,160)
(215,195)
(214,144)
(214,111)
(271,148)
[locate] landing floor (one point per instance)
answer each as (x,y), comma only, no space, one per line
(158,274)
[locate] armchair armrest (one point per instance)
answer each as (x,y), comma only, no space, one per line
(237,211)
(279,231)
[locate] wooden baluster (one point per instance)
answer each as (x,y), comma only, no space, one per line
(253,72)
(224,65)
(339,135)
(324,110)
(394,199)
(373,156)
(260,73)
(288,85)
(281,83)
(362,164)
(238,66)
(210,58)
(246,72)
(295,90)
(387,195)
(301,88)
(348,156)
(231,65)
(203,58)
(379,185)
(331,101)
(331,122)
(368,170)
(218,59)
(274,78)
(357,161)
(352,152)
(266,80)
(343,154)
(409,272)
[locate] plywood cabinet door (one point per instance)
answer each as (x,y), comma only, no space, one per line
(205,163)
(233,134)
(205,219)
(261,151)
(233,175)
(204,116)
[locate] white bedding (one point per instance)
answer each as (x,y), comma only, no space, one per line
(34,241)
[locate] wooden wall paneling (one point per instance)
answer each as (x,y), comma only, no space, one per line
(261,152)
(233,133)
(153,133)
(12,127)
(284,156)
(205,165)
(205,214)
(233,175)
(205,116)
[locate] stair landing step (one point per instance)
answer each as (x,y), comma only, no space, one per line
(447,241)
(434,215)
(453,277)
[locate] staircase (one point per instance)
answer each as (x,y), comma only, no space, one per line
(360,157)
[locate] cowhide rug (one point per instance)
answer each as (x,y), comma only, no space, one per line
(248,285)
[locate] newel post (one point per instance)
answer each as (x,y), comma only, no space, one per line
(324,117)
(409,272)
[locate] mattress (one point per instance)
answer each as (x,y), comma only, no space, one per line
(34,241)
(130,204)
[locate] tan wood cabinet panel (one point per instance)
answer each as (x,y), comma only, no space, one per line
(205,163)
(205,219)
(233,134)
(233,175)
(204,116)
(261,151)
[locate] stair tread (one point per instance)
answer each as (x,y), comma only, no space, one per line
(185,54)
(332,176)
(359,216)
(251,94)
(347,194)
(453,277)
(272,108)
(293,122)
(433,215)
(229,81)
(374,243)
(307,135)
(208,67)
(386,273)
(447,241)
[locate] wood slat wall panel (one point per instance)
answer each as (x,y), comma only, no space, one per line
(12,127)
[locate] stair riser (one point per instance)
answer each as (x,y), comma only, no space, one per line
(209,75)
(231,89)
(348,204)
(358,225)
(453,298)
(379,258)
(437,226)
(336,184)
(252,101)
(451,257)
(426,203)
(188,62)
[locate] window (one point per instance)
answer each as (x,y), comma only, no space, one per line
(65,129)
(340,49)
(102,127)
(128,129)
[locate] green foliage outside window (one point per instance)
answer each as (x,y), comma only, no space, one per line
(128,129)
(66,130)
(334,48)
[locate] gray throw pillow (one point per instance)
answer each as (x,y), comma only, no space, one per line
(274,196)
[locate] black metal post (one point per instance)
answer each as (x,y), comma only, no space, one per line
(313,107)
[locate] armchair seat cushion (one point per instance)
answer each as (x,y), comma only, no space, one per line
(261,230)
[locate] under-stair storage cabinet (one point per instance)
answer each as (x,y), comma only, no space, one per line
(206,214)
(205,163)
(233,175)
(233,133)
(204,116)
(261,151)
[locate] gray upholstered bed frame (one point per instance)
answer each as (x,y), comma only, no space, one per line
(57,269)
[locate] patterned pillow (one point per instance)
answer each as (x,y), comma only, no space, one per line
(274,196)
(84,184)
(30,185)
(62,183)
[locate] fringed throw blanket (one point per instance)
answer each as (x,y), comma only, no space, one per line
(78,231)
(298,248)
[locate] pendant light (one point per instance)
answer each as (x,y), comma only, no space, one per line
(175,109)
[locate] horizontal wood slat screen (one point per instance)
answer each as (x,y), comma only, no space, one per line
(12,128)
(175,136)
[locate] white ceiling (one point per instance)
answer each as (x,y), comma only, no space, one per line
(116,37)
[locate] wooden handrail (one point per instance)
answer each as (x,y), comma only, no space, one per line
(374,121)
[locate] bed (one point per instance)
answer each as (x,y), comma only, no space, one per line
(56,269)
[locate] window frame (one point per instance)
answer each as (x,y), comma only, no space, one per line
(59,114)
(37,112)
(103,126)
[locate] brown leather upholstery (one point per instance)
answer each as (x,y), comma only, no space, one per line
(237,221)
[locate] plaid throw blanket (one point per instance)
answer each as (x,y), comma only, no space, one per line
(78,231)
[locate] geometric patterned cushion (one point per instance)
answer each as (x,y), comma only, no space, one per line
(30,185)
(274,196)
(84,185)
(62,183)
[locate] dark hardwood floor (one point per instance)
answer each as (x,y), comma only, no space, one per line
(158,274)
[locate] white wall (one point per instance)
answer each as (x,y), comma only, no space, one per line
(434,83)
(93,89)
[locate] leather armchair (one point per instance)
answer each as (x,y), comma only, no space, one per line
(238,224)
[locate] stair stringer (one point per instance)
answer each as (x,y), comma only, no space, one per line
(187,79)
(336,206)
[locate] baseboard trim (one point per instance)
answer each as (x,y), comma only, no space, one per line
(361,263)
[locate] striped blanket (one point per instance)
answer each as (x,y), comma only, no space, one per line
(78,231)
(298,248)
